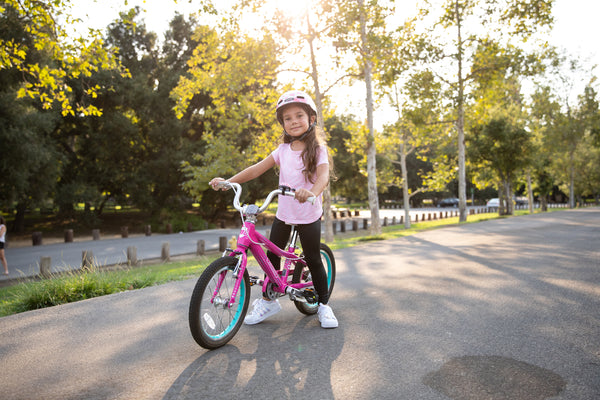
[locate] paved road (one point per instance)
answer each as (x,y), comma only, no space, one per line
(25,261)
(503,309)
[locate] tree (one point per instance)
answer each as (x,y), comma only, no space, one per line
(237,73)
(506,19)
(505,149)
(418,131)
(133,151)
(30,161)
(359,30)
(66,57)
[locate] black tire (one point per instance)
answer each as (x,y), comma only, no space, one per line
(301,274)
(213,324)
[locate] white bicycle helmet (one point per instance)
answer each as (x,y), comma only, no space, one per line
(294,97)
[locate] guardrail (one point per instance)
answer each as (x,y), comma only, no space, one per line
(344,220)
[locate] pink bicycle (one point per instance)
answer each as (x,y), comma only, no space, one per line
(220,298)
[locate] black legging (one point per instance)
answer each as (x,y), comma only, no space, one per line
(310,238)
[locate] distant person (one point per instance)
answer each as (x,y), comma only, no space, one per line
(2,241)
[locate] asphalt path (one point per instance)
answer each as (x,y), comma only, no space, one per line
(502,309)
(25,261)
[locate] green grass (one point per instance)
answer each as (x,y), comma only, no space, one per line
(80,285)
(93,282)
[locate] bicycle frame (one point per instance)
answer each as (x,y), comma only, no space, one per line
(251,240)
(222,293)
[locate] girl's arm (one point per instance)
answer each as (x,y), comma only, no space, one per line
(253,171)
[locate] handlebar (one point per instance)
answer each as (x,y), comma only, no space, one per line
(237,188)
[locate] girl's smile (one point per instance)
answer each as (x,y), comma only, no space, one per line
(295,120)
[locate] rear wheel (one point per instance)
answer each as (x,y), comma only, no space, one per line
(212,322)
(302,274)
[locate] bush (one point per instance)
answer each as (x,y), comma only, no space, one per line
(75,286)
(180,221)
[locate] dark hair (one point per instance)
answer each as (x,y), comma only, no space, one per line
(313,140)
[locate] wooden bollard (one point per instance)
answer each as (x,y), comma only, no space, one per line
(200,248)
(354,225)
(429,217)
(384,221)
(132,255)
(36,238)
(87,259)
(356,213)
(190,227)
(148,230)
(334,226)
(222,224)
(222,243)
(401,219)
(394,220)
(46,267)
(343,226)
(96,234)
(365,223)
(169,228)
(68,235)
(124,231)
(165,252)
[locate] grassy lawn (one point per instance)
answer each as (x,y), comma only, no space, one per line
(94,282)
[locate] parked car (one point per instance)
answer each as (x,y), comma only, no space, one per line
(493,203)
(521,201)
(450,202)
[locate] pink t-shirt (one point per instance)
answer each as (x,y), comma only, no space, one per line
(291,166)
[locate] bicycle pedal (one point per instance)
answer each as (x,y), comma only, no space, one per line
(254,280)
(310,296)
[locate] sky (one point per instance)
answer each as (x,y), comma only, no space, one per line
(575,26)
(575,20)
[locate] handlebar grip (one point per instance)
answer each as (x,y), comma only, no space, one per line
(311,199)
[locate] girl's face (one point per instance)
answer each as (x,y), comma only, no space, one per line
(295,120)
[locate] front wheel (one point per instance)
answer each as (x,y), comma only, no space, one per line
(213,322)
(302,274)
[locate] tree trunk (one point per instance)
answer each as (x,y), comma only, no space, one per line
(405,195)
(321,122)
(460,126)
(572,180)
(371,150)
(529,192)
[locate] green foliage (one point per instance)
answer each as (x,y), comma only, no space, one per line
(180,221)
(237,73)
(91,282)
(504,149)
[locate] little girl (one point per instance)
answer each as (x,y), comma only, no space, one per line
(303,165)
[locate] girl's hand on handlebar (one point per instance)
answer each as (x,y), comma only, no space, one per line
(302,195)
(215,182)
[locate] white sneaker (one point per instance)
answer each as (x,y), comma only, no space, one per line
(262,310)
(326,317)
